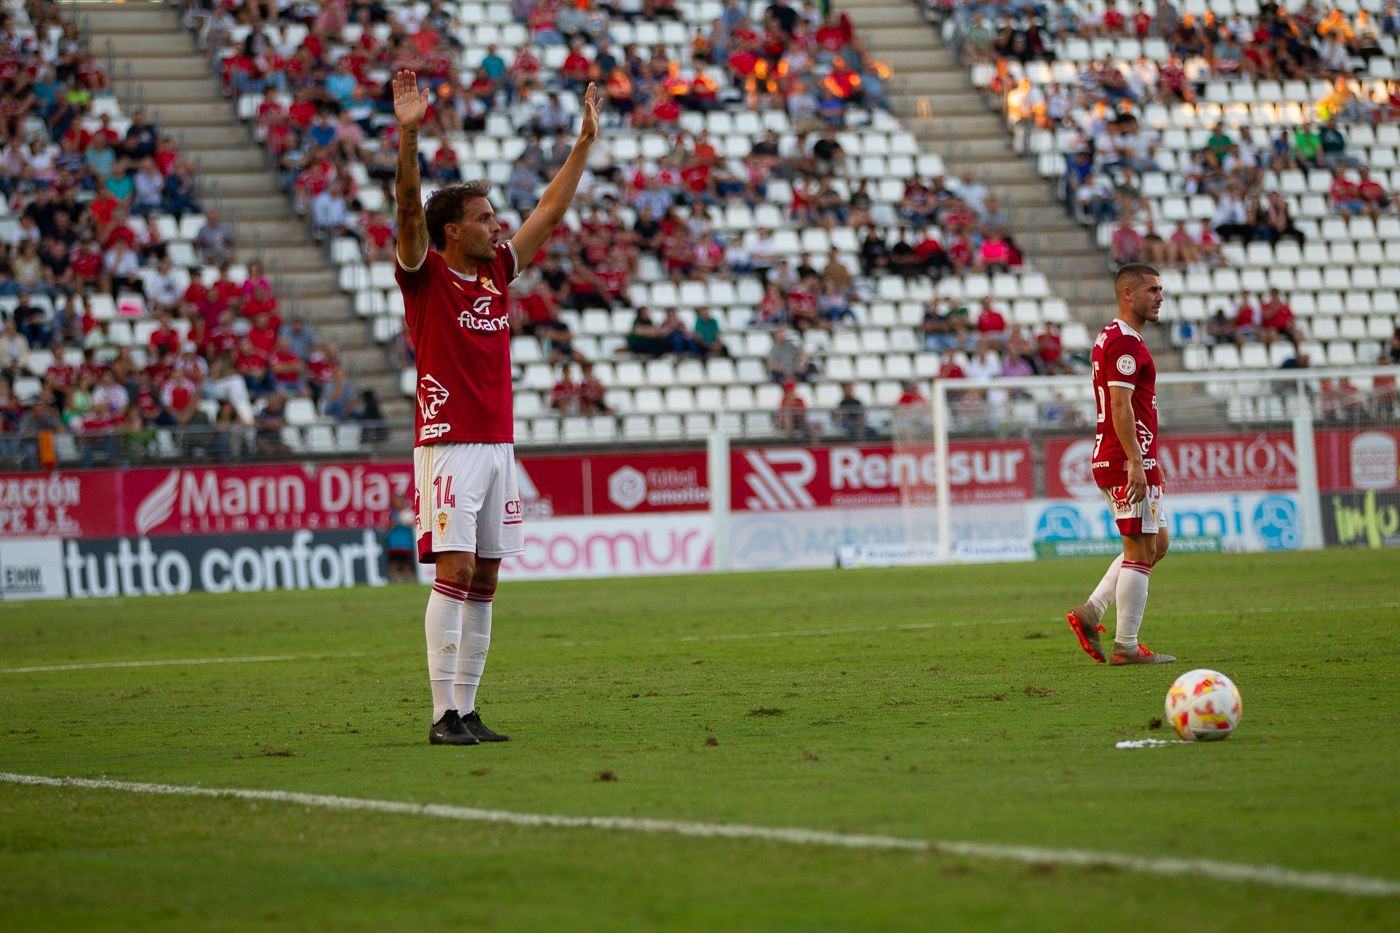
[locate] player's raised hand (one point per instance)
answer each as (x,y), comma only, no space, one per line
(410,104)
(592,106)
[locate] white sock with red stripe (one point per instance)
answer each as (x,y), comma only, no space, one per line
(442,624)
(1103,594)
(1132,602)
(476,641)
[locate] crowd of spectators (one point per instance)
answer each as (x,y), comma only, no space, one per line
(1112,150)
(85,260)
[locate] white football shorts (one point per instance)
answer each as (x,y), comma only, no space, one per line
(1144,517)
(467,498)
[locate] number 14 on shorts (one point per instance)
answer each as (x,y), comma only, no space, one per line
(442,493)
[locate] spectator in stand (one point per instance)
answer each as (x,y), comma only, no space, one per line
(791,418)
(340,400)
(787,362)
(1231,220)
(1276,221)
(1125,246)
(1049,351)
(214,241)
(287,368)
(268,424)
(1208,247)
(1343,193)
(1247,321)
(179,400)
(564,397)
(178,197)
(1220,328)
(14,350)
(1372,194)
(330,211)
(939,330)
(1276,317)
(991,324)
(850,413)
(122,270)
(1095,199)
(707,334)
(592,394)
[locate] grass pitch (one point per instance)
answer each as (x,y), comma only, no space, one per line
(943,703)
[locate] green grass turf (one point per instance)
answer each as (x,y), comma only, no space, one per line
(1000,732)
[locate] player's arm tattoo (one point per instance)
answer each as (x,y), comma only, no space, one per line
(408,198)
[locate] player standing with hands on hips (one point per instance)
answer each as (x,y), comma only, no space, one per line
(1126,467)
(466,492)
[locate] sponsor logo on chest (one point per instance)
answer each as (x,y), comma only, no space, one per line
(479,317)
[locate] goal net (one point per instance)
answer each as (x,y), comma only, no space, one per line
(1256,461)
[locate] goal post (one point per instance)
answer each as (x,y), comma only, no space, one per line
(1258,460)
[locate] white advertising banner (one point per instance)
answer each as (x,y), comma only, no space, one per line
(1258,521)
(810,538)
(610,546)
(31,568)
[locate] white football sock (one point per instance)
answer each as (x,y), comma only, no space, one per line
(1103,594)
(1132,602)
(442,624)
(476,641)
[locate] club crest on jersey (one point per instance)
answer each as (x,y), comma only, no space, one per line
(431,397)
(490,286)
(442,523)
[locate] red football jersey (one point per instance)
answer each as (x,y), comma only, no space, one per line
(460,328)
(1121,359)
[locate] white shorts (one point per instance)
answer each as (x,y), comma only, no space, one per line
(1144,517)
(467,498)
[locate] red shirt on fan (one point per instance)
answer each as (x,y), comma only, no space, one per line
(1121,359)
(461,329)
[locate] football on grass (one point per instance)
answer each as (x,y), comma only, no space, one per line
(1203,705)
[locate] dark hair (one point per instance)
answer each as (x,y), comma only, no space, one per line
(1133,274)
(446,207)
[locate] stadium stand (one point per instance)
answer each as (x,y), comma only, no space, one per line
(1251,149)
(741,148)
(760,241)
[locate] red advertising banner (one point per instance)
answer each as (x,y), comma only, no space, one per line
(1241,462)
(614,484)
(334,496)
(322,496)
(782,478)
(1192,463)
(1362,461)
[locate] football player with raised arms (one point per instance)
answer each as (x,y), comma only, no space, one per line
(466,491)
(1126,467)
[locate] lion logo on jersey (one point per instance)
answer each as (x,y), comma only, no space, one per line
(1144,437)
(431,397)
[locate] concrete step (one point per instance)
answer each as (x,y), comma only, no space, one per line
(256,207)
(227,134)
(236,184)
(940,104)
(192,67)
(903,15)
(226,159)
(163,92)
(109,18)
(186,114)
(167,43)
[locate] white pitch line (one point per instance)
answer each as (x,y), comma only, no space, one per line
(173,662)
(1270,875)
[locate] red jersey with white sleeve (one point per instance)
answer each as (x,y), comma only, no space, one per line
(461,332)
(1121,359)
